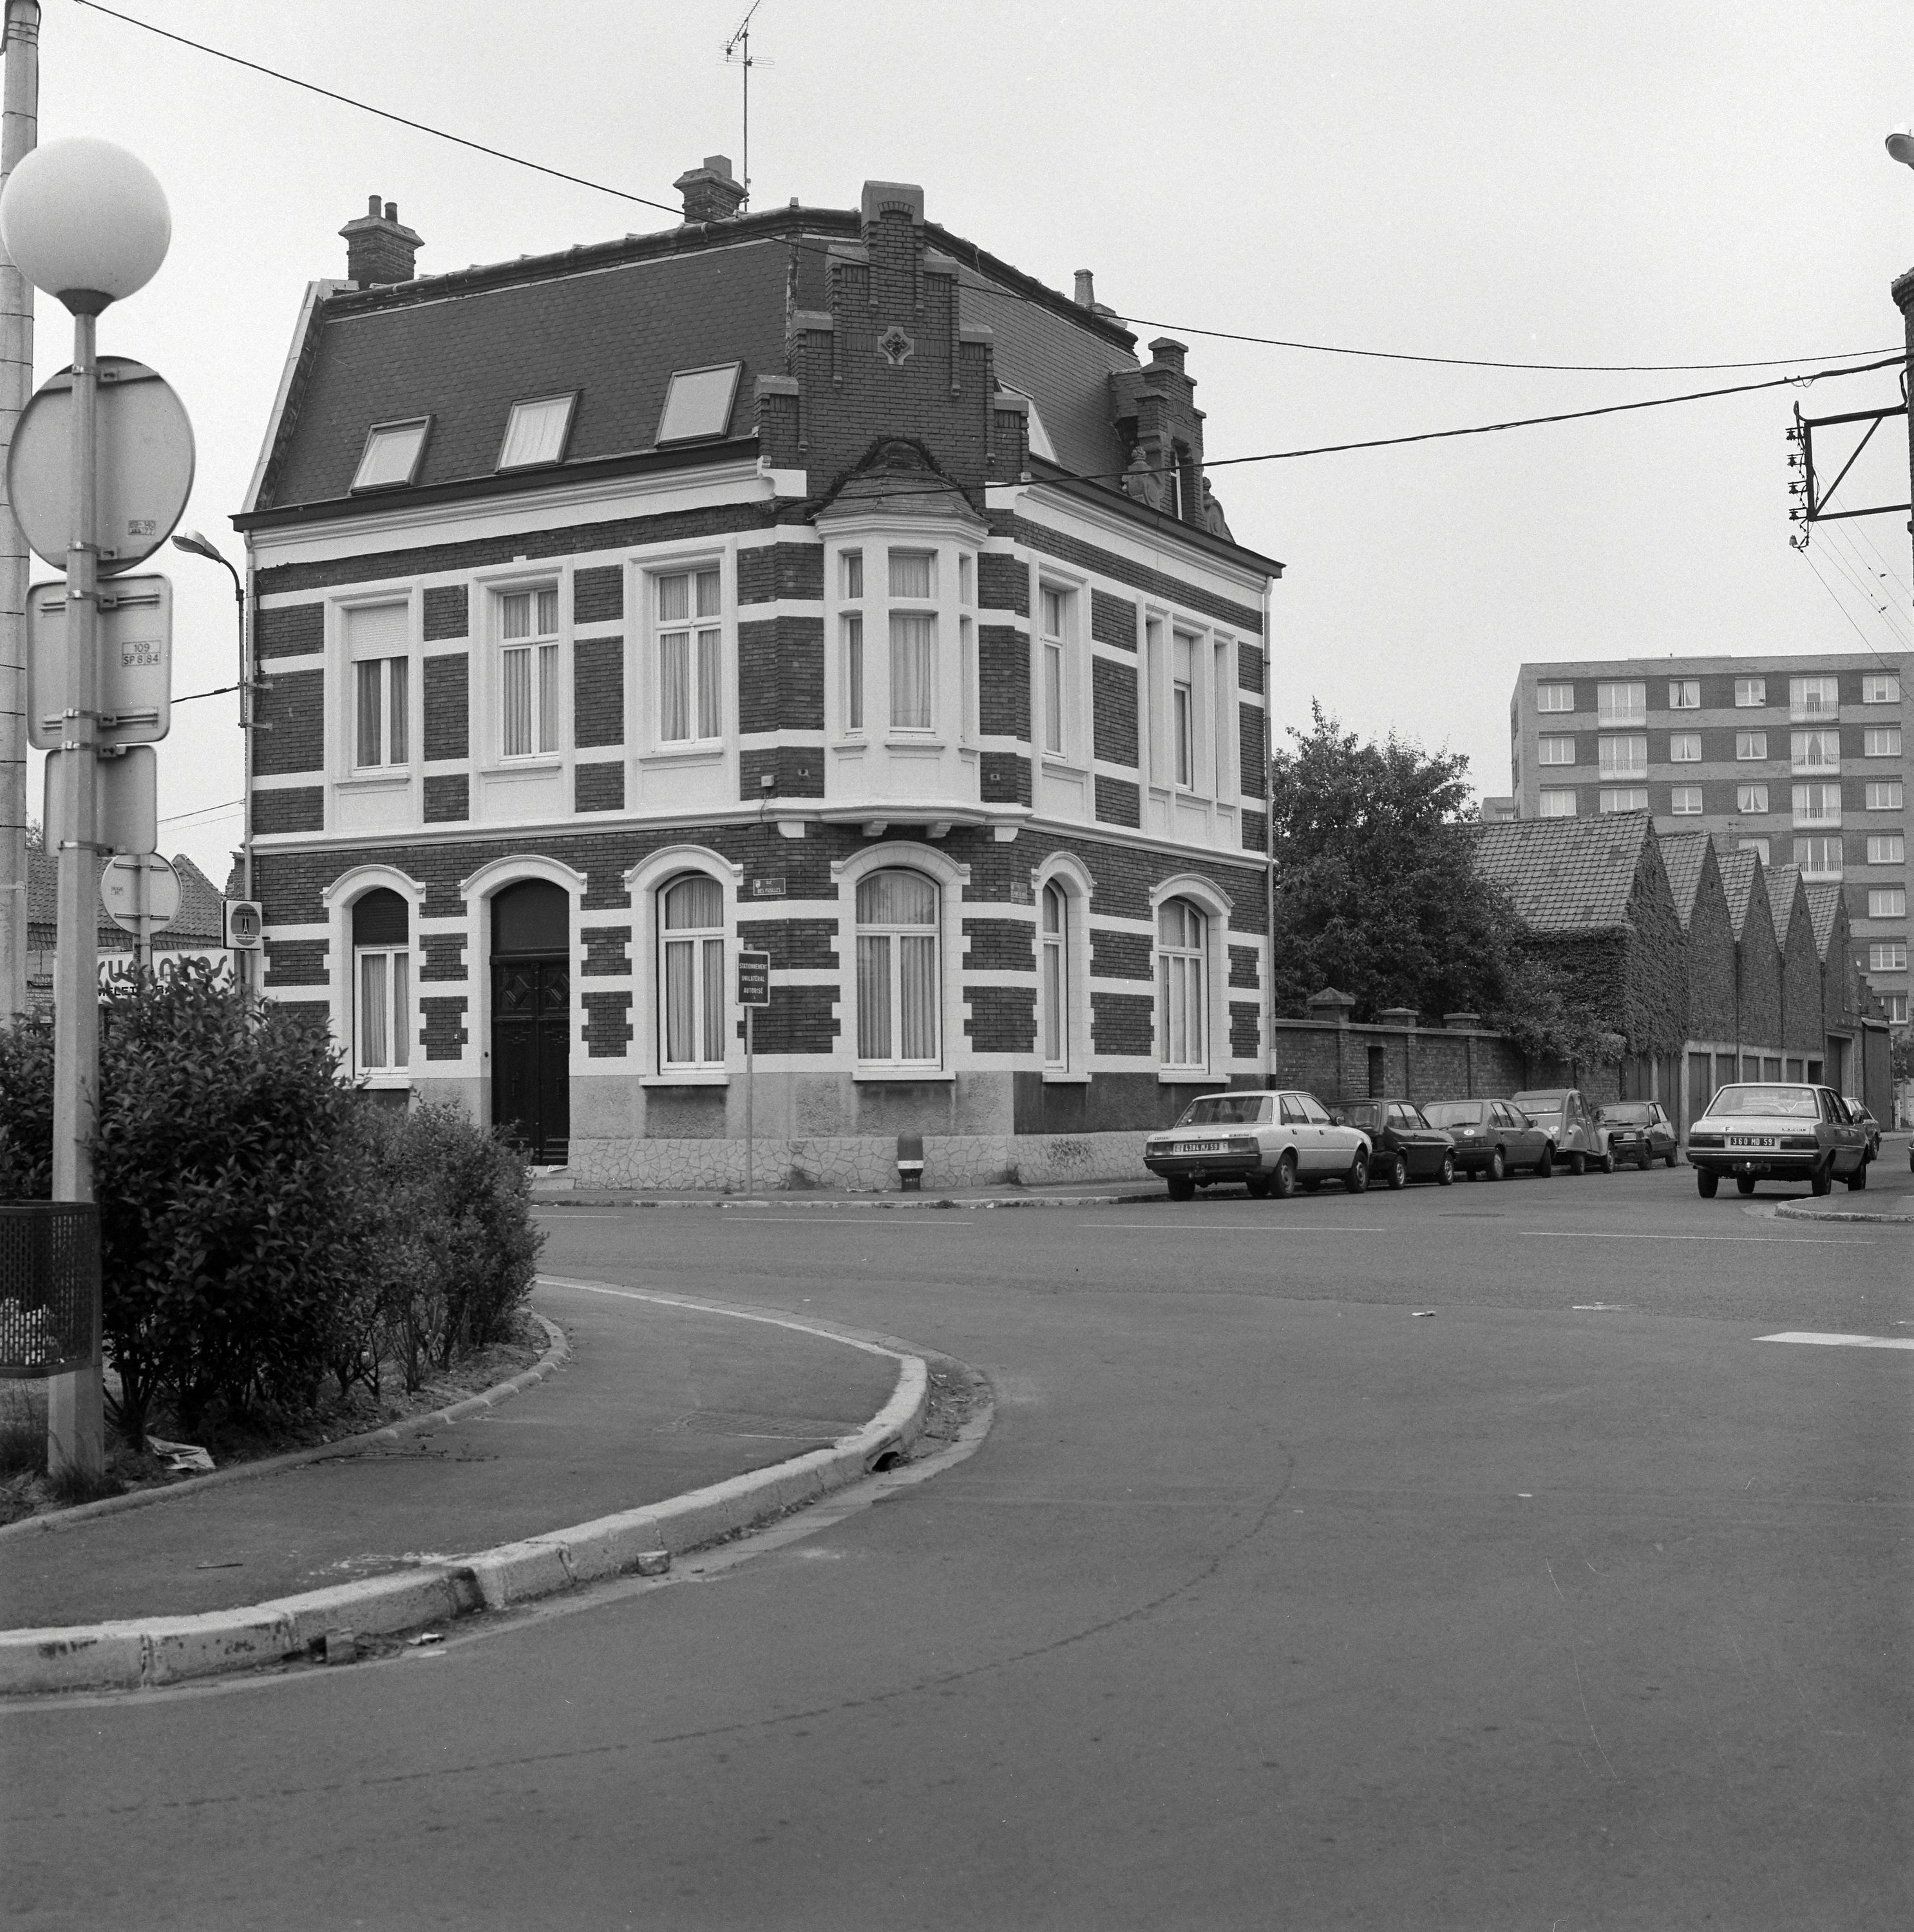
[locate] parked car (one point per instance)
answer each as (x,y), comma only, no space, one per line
(1565,1114)
(1403,1146)
(1640,1131)
(1272,1142)
(1491,1137)
(1863,1119)
(1767,1130)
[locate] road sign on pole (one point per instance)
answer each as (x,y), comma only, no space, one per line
(245,926)
(133,681)
(141,893)
(126,803)
(144,462)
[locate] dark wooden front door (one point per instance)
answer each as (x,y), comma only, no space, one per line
(531,1054)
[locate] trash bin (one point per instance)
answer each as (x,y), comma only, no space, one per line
(910,1160)
(49,1287)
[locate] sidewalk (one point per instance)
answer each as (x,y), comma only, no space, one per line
(1888,1195)
(656,1400)
(560,1190)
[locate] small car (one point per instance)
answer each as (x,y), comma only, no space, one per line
(1640,1131)
(1757,1130)
(1863,1119)
(1403,1146)
(1565,1115)
(1491,1137)
(1272,1142)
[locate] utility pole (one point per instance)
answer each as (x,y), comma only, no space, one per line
(20,123)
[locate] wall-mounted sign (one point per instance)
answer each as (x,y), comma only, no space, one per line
(753,979)
(771,886)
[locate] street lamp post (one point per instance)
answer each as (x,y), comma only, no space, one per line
(86,222)
(197,544)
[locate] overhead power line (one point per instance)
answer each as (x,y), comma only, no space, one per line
(1000,294)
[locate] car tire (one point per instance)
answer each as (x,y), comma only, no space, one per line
(1258,1186)
(1399,1172)
(1445,1174)
(1578,1164)
(1858,1180)
(1744,1183)
(1546,1166)
(1821,1180)
(1181,1187)
(1706,1183)
(1608,1161)
(1671,1160)
(1498,1164)
(1355,1178)
(1282,1183)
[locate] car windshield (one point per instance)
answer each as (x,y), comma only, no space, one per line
(1226,1110)
(1629,1114)
(1455,1113)
(1794,1103)
(1540,1103)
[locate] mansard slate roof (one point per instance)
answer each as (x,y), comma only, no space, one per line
(1685,857)
(1782,882)
(1824,906)
(201,922)
(612,321)
(1741,873)
(1567,875)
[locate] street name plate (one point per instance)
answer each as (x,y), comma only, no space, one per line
(134,684)
(753,979)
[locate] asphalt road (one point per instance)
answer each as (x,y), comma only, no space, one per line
(1271,1600)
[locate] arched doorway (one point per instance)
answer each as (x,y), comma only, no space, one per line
(532,1018)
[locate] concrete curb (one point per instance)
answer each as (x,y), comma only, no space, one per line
(890,1204)
(558,1352)
(1786,1211)
(141,1653)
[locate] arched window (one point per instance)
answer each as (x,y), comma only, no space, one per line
(691,973)
(1181,972)
(1054,978)
(897,970)
(381,983)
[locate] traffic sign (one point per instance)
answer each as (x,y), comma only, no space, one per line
(134,686)
(144,445)
(140,893)
(126,802)
(753,979)
(245,926)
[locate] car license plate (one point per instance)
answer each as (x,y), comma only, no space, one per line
(1199,1147)
(1753,1140)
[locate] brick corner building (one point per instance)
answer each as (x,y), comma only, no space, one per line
(810,581)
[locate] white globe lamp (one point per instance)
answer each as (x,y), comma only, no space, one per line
(85,221)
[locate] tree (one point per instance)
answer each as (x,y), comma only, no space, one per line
(1377,895)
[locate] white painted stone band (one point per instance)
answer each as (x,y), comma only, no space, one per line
(141,1652)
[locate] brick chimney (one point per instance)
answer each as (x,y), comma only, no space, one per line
(379,250)
(712,193)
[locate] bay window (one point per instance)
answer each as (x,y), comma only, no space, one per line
(913,575)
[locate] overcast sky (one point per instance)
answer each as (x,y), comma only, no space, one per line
(1637,181)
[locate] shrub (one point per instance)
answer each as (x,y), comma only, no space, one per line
(26,1112)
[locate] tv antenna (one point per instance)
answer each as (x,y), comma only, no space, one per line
(738,54)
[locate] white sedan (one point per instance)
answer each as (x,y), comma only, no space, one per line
(1273,1142)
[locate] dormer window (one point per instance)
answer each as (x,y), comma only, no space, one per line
(392,454)
(537,432)
(698,404)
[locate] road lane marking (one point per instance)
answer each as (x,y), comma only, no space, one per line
(1842,1341)
(1622,1234)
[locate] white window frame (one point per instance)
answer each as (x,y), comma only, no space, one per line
(542,427)
(699,941)
(1685,801)
(394,656)
(342,992)
(388,439)
(1752,800)
(546,698)
(1684,748)
(1622,757)
(645,886)
(1552,750)
(950,879)
(707,652)
(1214,905)
(396,963)
(1623,798)
(1623,702)
(1824,864)
(1751,693)
(1760,847)
(895,934)
(1896,1004)
(1063,873)
(1059,694)
(1887,902)
(1880,688)
(719,378)
(1802,746)
(1549,696)
(1885,795)
(1556,802)
(1881,741)
(918,608)
(1817,803)
(1813,700)
(1887,848)
(1887,955)
(1750,747)
(1685,693)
